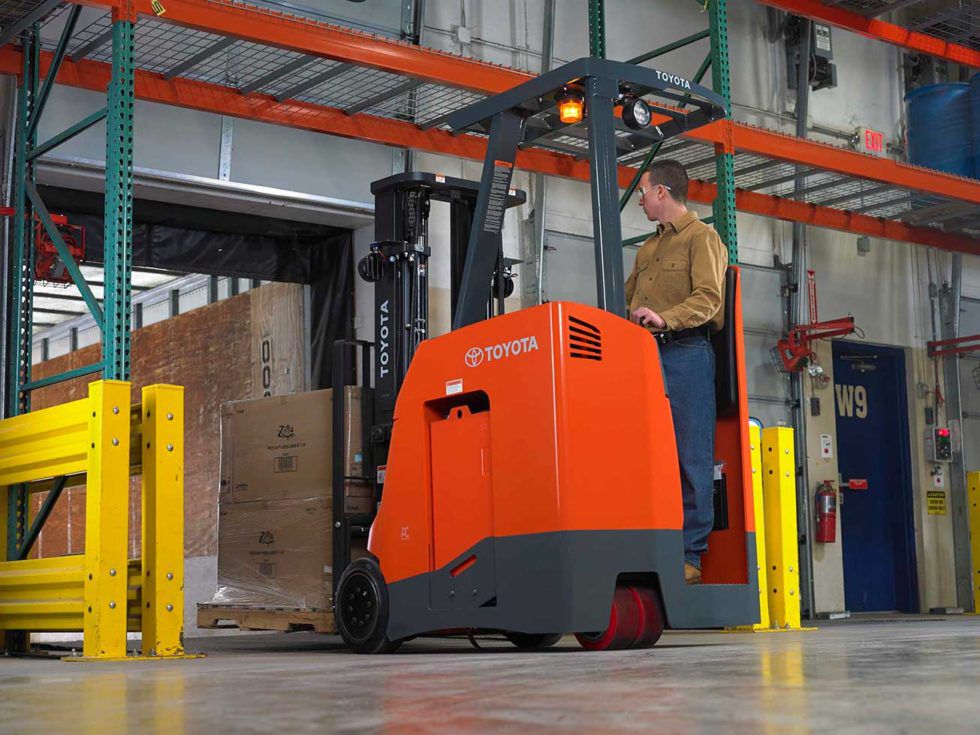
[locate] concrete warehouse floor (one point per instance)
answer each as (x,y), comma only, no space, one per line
(878,676)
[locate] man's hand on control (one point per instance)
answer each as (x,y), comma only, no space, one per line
(648,318)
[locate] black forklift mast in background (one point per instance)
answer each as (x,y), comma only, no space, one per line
(398,265)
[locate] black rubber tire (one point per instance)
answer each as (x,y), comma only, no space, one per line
(531,641)
(362,608)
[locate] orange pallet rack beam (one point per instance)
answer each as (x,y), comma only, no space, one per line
(219,99)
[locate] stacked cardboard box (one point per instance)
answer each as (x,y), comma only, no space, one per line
(275,553)
(275,513)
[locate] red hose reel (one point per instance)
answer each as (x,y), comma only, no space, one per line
(48,264)
(794,352)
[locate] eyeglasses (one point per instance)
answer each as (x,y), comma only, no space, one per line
(642,190)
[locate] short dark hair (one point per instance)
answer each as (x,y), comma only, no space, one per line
(671,174)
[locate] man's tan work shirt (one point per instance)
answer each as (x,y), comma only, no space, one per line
(680,274)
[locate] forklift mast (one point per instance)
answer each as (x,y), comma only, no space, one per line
(398,265)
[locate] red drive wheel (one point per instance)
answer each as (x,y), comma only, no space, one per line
(625,624)
(652,614)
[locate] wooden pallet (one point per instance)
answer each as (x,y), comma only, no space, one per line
(265,618)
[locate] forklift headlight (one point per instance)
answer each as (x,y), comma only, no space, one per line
(636,113)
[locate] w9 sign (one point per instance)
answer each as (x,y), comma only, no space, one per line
(852,401)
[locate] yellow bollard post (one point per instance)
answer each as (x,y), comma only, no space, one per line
(973,509)
(755,452)
(3,549)
(781,538)
(3,521)
(163,521)
(106,516)
(755,442)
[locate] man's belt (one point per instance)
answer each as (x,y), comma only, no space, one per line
(665,338)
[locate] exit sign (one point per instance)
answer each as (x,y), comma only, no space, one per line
(871,141)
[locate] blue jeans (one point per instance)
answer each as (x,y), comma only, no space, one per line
(689,369)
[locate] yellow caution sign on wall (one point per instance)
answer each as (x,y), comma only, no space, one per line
(936,502)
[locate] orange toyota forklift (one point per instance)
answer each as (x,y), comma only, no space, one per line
(526,462)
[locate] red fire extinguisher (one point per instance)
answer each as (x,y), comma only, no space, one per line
(826,504)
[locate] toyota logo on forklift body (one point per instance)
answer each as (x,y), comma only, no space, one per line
(475,356)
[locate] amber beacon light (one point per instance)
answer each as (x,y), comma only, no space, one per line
(570,106)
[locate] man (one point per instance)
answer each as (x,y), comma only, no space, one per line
(676,290)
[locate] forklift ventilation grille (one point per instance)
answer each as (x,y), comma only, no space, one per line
(584,340)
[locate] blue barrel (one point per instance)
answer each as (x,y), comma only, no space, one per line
(939,128)
(975,119)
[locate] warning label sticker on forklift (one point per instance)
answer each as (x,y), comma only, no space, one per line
(454,386)
(497,201)
(936,500)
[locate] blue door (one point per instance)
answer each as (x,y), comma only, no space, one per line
(873,448)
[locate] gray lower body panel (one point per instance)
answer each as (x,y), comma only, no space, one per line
(563,582)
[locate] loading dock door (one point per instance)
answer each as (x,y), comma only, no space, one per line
(873,445)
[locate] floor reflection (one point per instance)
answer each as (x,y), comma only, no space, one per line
(886,677)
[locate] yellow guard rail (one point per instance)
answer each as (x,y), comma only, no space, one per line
(101,593)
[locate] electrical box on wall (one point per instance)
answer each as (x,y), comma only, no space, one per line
(822,71)
(823,47)
(939,445)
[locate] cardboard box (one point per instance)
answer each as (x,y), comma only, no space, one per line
(354,444)
(281,447)
(275,553)
(359,499)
